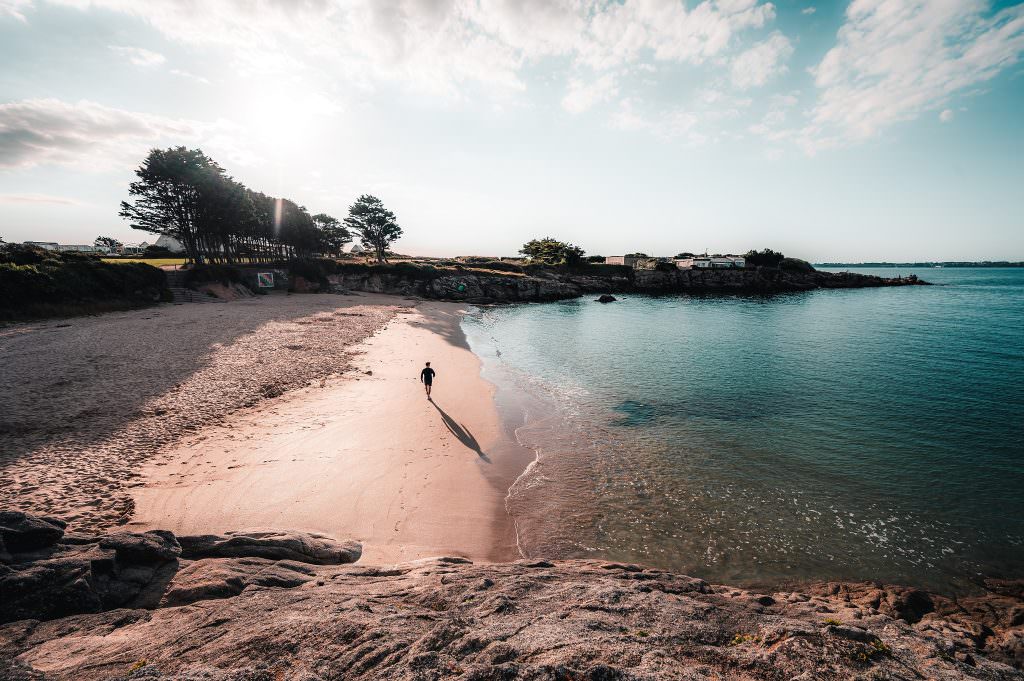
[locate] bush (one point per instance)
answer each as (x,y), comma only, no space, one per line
(35,282)
(225,274)
(764,258)
(595,258)
(158,252)
(795,265)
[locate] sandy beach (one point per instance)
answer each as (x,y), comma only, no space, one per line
(302,412)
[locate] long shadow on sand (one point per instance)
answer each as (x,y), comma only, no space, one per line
(460,432)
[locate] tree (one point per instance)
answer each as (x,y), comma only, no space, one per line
(685,254)
(333,235)
(549,251)
(375,224)
(764,258)
(637,255)
(109,243)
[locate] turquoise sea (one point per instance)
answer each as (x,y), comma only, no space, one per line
(851,434)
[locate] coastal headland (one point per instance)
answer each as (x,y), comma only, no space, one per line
(188,487)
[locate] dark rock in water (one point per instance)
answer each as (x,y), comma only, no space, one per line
(606,298)
(20,532)
(304,547)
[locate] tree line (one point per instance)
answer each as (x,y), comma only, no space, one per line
(550,251)
(184,194)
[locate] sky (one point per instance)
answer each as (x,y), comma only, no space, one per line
(833,131)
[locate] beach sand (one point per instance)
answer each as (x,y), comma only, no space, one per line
(367,458)
(296,412)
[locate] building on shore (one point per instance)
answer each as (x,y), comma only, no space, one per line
(627,260)
(48,245)
(717,262)
(170,243)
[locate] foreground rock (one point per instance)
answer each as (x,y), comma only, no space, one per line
(253,617)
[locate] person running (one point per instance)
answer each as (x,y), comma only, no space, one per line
(426,378)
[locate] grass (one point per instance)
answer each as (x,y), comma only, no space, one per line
(155,262)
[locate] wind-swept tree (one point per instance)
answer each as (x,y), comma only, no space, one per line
(333,235)
(375,224)
(110,243)
(549,251)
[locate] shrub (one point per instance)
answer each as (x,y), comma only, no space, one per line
(763,258)
(795,265)
(225,274)
(34,282)
(158,252)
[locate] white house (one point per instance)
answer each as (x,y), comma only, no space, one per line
(48,245)
(356,249)
(627,260)
(716,262)
(82,248)
(134,249)
(170,243)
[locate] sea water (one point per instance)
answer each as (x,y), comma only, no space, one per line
(833,434)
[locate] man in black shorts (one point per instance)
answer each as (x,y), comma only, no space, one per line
(426,378)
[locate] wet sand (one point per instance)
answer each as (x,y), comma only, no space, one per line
(367,458)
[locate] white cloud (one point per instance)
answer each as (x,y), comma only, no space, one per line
(583,95)
(809,10)
(946,116)
(13,8)
(139,56)
(668,124)
(190,76)
(37,198)
(756,66)
(39,131)
(896,59)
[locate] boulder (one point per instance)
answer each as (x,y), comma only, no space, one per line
(212,578)
(303,547)
(607,298)
(155,546)
(20,532)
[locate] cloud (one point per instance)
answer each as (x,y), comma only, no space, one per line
(808,10)
(40,131)
(946,116)
(757,65)
(669,124)
(447,47)
(12,8)
(37,198)
(190,76)
(583,95)
(895,59)
(139,56)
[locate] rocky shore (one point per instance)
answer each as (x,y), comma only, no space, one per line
(539,284)
(263,604)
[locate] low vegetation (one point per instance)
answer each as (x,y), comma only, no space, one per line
(38,283)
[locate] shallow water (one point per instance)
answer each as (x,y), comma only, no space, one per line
(858,434)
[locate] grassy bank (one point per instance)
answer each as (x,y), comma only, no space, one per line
(37,283)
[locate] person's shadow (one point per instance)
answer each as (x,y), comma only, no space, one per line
(460,432)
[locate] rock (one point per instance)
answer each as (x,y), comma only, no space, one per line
(434,619)
(606,298)
(21,532)
(156,546)
(304,547)
(226,577)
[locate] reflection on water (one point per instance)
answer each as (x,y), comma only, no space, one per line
(836,434)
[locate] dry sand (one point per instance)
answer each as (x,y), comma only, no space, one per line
(258,412)
(369,459)
(84,401)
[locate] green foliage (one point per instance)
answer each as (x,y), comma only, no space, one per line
(687,254)
(34,282)
(376,225)
(226,274)
(871,651)
(795,265)
(332,234)
(406,269)
(107,242)
(763,258)
(549,251)
(637,255)
(157,252)
(741,638)
(595,258)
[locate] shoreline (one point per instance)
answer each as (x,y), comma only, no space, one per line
(329,459)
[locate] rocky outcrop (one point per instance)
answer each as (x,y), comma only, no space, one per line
(547,284)
(47,574)
(260,618)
